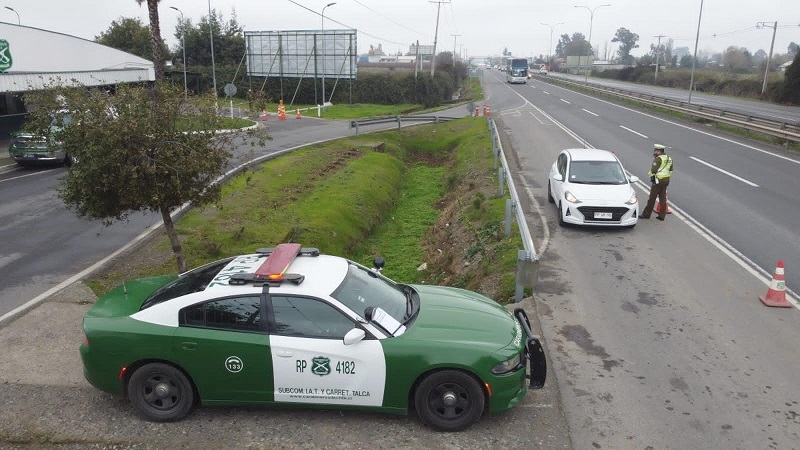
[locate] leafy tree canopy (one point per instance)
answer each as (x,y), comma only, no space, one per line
(627,42)
(129,35)
(130,154)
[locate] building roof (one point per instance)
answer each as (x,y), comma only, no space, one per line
(32,58)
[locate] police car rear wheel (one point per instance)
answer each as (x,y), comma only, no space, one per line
(160,393)
(449,400)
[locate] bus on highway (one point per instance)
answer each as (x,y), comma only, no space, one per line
(517,70)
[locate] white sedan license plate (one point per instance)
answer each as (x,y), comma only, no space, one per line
(602,215)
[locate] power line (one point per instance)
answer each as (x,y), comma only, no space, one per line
(390,19)
(348,26)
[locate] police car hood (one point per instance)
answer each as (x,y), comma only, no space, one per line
(449,314)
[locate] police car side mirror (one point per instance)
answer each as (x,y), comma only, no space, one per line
(634,179)
(354,335)
(558,177)
(378,262)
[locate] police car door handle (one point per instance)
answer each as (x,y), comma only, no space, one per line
(189,345)
(285,354)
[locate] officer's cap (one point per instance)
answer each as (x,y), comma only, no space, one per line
(658,147)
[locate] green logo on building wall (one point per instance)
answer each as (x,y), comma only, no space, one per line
(5,56)
(321,366)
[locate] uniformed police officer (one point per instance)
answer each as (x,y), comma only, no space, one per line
(660,173)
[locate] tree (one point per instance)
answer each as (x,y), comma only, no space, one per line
(793,48)
(129,35)
(576,45)
(791,81)
(155,37)
(627,42)
(228,40)
(686,61)
(130,156)
(737,58)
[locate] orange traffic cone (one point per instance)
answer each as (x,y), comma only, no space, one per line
(477,111)
(658,206)
(776,293)
(486,110)
(298,116)
(264,115)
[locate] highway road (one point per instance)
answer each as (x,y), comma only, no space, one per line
(656,333)
(788,114)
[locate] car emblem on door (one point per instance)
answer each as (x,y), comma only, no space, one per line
(321,366)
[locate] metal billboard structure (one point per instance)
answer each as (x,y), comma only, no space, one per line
(300,53)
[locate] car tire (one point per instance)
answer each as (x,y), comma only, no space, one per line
(69,160)
(160,392)
(550,194)
(449,400)
(561,215)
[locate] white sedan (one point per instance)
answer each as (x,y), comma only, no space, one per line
(590,187)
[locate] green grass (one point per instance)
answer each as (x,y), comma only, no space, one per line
(361,196)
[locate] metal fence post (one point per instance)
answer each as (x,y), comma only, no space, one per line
(501,181)
(398,122)
(509,209)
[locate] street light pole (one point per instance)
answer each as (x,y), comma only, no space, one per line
(550,49)
(15,12)
(211,33)
(323,51)
(591,20)
(694,59)
(183,44)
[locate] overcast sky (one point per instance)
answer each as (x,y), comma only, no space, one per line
(484,27)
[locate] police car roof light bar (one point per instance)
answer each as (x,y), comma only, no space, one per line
(278,261)
(305,251)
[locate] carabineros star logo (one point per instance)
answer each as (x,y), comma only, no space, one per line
(5,56)
(321,366)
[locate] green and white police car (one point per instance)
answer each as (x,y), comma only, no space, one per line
(290,326)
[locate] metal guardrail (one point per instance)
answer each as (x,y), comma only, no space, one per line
(749,122)
(399,119)
(527,259)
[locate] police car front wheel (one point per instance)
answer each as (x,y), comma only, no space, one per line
(449,400)
(160,392)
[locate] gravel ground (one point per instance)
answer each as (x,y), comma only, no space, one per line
(46,404)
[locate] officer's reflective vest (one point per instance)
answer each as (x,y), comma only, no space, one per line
(665,170)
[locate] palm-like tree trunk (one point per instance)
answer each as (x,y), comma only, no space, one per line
(155,37)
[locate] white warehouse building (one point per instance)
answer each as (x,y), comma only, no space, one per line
(31,58)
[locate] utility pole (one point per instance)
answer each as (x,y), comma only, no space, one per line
(436,35)
(774,27)
(694,58)
(455,38)
(658,49)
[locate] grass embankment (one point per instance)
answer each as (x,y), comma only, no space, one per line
(419,195)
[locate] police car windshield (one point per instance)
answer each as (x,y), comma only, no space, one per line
(194,280)
(363,287)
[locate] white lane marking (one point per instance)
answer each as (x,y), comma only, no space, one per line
(23,176)
(726,248)
(596,115)
(565,101)
(546,92)
(634,132)
(724,171)
(731,141)
(534,116)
